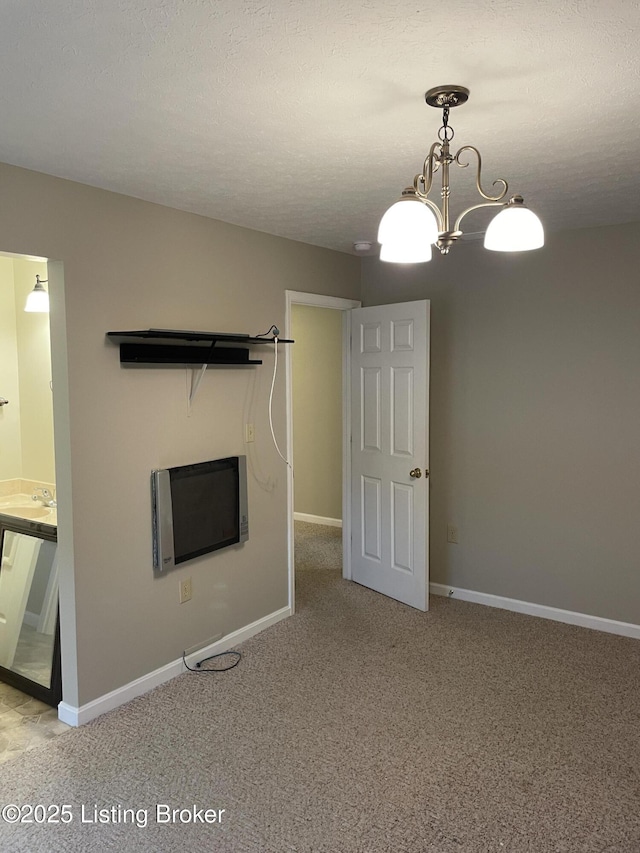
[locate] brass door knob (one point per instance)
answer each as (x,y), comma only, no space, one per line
(415,474)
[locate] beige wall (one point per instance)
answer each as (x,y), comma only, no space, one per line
(535,414)
(317,410)
(127,264)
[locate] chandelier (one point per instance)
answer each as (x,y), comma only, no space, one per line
(414,223)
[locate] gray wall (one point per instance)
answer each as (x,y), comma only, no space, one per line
(120,263)
(317,410)
(535,417)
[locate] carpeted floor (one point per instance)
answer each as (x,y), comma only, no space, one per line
(362,725)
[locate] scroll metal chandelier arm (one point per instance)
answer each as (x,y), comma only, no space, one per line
(426,178)
(423,183)
(456,227)
(433,206)
(505,186)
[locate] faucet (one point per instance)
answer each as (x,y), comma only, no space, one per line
(46,498)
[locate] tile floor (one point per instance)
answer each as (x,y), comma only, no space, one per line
(25,722)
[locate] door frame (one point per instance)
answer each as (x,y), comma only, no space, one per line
(317,300)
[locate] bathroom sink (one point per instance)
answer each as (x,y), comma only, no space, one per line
(26,511)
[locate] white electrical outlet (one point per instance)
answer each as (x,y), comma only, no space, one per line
(185,590)
(249,433)
(452,534)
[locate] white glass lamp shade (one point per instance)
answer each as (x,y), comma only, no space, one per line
(407,230)
(402,252)
(408,220)
(38,300)
(514,229)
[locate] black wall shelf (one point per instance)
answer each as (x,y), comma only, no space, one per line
(177,347)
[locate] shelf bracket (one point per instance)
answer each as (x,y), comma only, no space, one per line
(195,383)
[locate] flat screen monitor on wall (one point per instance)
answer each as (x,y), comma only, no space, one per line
(197,509)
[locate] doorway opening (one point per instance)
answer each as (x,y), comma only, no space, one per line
(321,450)
(29,628)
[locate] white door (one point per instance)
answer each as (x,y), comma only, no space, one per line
(390,447)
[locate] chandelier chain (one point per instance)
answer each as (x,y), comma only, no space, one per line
(446,133)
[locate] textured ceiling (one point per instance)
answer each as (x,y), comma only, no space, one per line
(306,120)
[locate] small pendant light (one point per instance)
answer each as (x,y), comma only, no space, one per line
(38,299)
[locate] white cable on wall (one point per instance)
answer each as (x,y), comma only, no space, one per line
(273,382)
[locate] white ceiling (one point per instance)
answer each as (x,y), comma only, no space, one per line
(306,120)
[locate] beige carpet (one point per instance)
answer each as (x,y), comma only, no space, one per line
(362,725)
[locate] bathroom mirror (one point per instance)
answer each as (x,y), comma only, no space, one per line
(29,629)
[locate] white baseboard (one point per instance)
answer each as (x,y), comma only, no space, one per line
(79,716)
(597,623)
(31,619)
(317,519)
